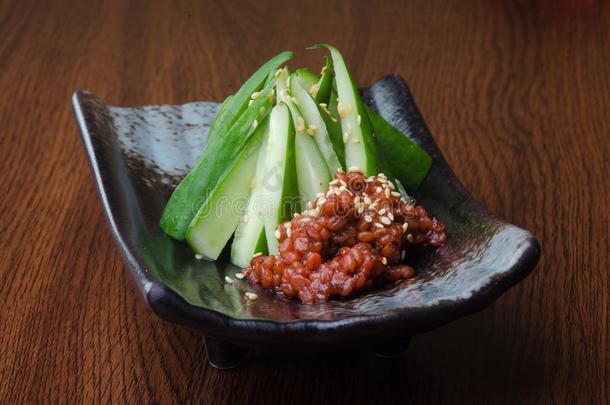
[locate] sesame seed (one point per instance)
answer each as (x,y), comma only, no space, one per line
(251,296)
(335,181)
(255,95)
(300,124)
(384,260)
(391,185)
(255,124)
(289,232)
(391,216)
(355,140)
(367,200)
(359,119)
(355,169)
(395,193)
(373,206)
(257,254)
(382,175)
(246,218)
(271,95)
(403,254)
(323,105)
(382,211)
(198,256)
(368,218)
(405,226)
(387,193)
(345,136)
(378,225)
(314,89)
(340,170)
(378,190)
(323,70)
(250,103)
(410,238)
(294,100)
(277,234)
(386,220)
(239,275)
(228,279)
(360,209)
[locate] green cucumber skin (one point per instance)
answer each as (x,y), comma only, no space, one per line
(353,151)
(409,162)
(208,233)
(191,193)
(325,83)
(334,133)
(309,109)
(239,102)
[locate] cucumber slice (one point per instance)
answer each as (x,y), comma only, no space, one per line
(280,189)
(218,217)
(250,233)
(306,77)
(407,160)
(228,116)
(324,85)
(313,174)
(216,158)
(315,124)
(357,133)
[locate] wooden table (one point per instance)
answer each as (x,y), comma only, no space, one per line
(516,93)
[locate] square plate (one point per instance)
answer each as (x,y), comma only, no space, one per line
(137,156)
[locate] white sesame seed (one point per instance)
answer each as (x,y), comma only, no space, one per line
(386,220)
(382,211)
(228,279)
(403,254)
(373,206)
(378,225)
(359,119)
(405,226)
(378,190)
(391,185)
(255,95)
(367,200)
(382,175)
(355,141)
(251,296)
(360,209)
(357,200)
(410,238)
(340,170)
(368,218)
(250,103)
(391,216)
(239,275)
(198,256)
(314,89)
(395,193)
(335,181)
(255,124)
(387,193)
(277,234)
(345,137)
(323,70)
(384,260)
(355,169)
(289,232)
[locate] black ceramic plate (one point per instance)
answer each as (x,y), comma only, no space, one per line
(137,155)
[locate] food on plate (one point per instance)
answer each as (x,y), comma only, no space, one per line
(307,184)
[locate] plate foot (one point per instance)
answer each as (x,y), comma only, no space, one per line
(223,355)
(393,348)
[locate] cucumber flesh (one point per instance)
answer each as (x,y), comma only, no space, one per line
(280,189)
(324,85)
(311,114)
(313,173)
(250,233)
(218,217)
(357,134)
(306,77)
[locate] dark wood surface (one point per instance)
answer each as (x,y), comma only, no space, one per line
(517,94)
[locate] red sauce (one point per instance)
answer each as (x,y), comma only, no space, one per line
(355,234)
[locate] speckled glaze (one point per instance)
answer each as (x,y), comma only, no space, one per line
(138,155)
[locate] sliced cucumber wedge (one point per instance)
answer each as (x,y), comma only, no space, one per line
(218,217)
(315,125)
(212,165)
(357,134)
(313,173)
(250,233)
(324,85)
(280,189)
(306,77)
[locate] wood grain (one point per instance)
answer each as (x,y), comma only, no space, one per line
(516,93)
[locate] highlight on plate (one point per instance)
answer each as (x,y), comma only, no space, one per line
(307,184)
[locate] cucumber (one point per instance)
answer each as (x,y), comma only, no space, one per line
(407,160)
(216,158)
(250,233)
(324,85)
(219,215)
(226,117)
(306,77)
(311,114)
(313,174)
(280,189)
(360,148)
